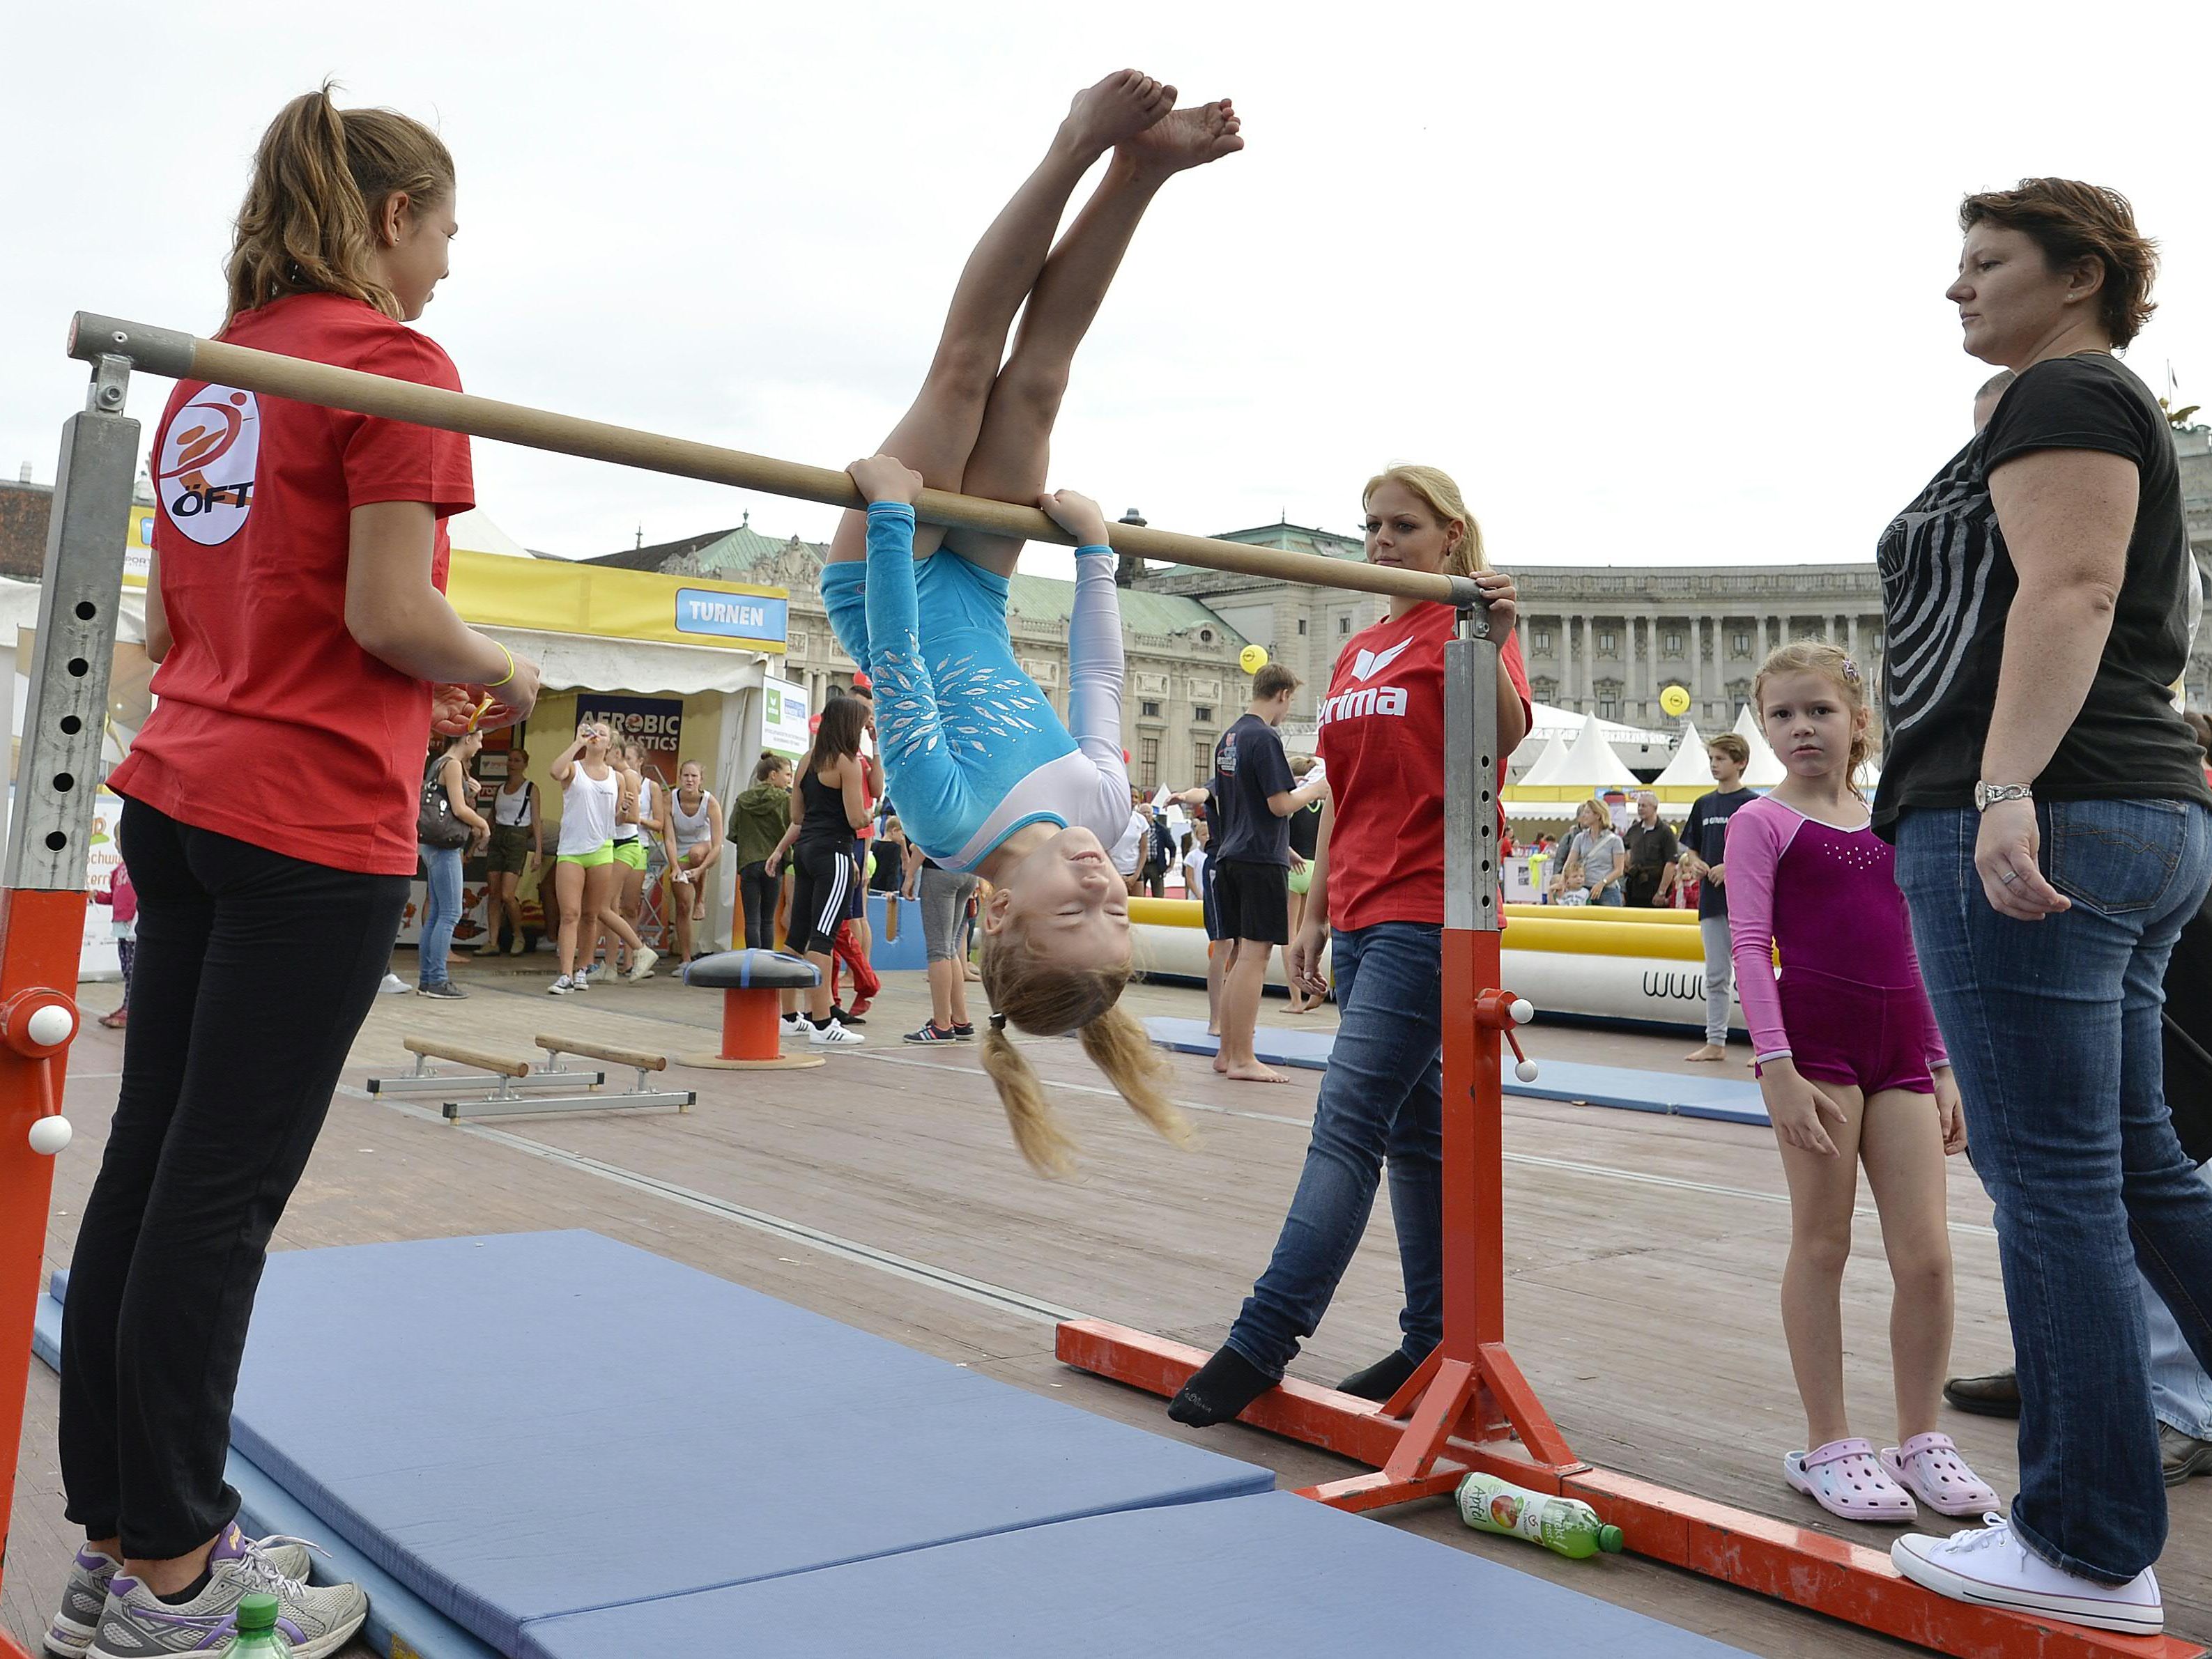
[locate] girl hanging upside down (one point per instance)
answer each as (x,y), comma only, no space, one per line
(987,778)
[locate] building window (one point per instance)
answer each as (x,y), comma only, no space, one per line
(1608,642)
(1202,763)
(1541,638)
(1148,762)
(1301,624)
(1671,642)
(1608,700)
(1150,711)
(1202,713)
(1738,691)
(1544,689)
(1740,645)
(1343,627)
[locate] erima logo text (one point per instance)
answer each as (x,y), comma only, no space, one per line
(1367,700)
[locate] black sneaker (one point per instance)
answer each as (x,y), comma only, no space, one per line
(930,1032)
(445,989)
(963,1033)
(844,1019)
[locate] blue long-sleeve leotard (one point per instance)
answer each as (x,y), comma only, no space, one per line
(972,750)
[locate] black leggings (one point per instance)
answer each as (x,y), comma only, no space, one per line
(819,896)
(255,972)
(756,887)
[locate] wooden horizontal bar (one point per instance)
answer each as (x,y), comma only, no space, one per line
(497,1065)
(613,1056)
(184,356)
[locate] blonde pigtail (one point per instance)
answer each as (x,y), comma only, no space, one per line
(1038,1135)
(1117,1045)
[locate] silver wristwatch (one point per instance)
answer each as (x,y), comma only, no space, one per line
(1987,795)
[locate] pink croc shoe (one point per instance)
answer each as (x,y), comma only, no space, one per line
(1844,1479)
(1930,1467)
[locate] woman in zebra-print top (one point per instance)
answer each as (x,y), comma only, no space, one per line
(2054,831)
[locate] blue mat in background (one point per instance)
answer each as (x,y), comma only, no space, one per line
(1275,1576)
(1725,1098)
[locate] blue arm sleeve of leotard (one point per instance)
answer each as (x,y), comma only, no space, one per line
(1096,666)
(918,762)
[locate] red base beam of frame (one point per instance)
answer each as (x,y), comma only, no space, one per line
(41,934)
(1470,1408)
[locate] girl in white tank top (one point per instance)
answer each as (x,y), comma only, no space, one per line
(584,883)
(698,837)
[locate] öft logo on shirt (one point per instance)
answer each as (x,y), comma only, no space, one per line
(1367,700)
(203,474)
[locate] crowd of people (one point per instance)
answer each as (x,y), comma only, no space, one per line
(1973,960)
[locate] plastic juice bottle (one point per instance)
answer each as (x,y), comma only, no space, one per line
(256,1636)
(1562,1525)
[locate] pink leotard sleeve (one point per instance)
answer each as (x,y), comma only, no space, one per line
(1757,835)
(1931,1041)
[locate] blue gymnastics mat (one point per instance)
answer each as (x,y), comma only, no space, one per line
(399,1621)
(522,1426)
(1726,1099)
(1275,1577)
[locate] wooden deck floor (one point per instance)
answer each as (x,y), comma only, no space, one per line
(881,1190)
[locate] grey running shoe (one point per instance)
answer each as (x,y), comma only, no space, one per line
(2181,1455)
(91,1573)
(317,1622)
(444,987)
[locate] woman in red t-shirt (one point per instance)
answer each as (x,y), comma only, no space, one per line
(1378,883)
(296,610)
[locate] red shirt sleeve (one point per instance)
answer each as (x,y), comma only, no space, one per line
(394,461)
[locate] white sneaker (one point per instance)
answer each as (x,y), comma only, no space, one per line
(393,985)
(1992,1568)
(835,1034)
(641,965)
(561,986)
(794,1025)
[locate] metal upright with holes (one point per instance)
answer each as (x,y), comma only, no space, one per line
(50,828)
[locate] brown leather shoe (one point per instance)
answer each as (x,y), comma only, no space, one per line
(2180,1456)
(1995,1395)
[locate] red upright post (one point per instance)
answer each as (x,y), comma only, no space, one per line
(42,901)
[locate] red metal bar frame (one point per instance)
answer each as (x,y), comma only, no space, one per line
(41,934)
(1470,1408)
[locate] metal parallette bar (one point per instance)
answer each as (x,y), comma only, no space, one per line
(526,1105)
(66,716)
(444,1083)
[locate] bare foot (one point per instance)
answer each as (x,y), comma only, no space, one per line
(1188,138)
(1115,111)
(1709,1052)
(1253,1072)
(1220,1064)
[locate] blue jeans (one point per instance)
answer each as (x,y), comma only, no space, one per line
(2180,1389)
(2053,1031)
(443,867)
(1382,1096)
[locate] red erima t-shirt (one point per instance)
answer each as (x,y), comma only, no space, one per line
(270,725)
(1382,742)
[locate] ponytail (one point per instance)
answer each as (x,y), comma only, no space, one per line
(1048,999)
(321,178)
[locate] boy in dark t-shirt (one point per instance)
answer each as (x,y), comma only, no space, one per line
(1248,875)
(1704,842)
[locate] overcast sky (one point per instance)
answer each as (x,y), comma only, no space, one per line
(1658,284)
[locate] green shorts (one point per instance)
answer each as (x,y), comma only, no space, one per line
(509,850)
(603,853)
(630,851)
(1302,877)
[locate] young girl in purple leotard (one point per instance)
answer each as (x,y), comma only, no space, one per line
(1853,1071)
